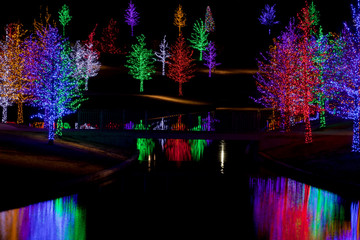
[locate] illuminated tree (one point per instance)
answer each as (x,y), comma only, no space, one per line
(141,61)
(131,16)
(6,91)
(209,21)
(181,67)
(267,16)
(49,65)
(319,59)
(91,41)
(199,37)
(64,17)
(86,60)
(209,57)
(44,21)
(13,67)
(179,18)
(163,54)
(343,81)
(109,38)
(275,76)
(309,74)
(6,94)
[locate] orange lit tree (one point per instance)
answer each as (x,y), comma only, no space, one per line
(15,65)
(181,67)
(179,18)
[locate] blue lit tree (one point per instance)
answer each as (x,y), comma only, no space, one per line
(49,66)
(131,17)
(343,76)
(267,16)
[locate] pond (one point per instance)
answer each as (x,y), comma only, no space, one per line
(190,189)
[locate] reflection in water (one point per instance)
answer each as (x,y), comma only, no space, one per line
(222,156)
(177,150)
(61,218)
(146,147)
(286,209)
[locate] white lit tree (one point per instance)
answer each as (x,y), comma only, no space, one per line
(86,60)
(6,91)
(163,54)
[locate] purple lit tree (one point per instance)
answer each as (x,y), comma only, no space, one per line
(267,16)
(131,16)
(163,54)
(343,81)
(209,57)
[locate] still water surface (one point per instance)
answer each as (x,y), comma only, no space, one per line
(187,188)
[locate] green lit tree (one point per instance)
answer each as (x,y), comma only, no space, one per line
(64,16)
(141,61)
(199,37)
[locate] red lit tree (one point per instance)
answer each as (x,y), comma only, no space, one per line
(181,67)
(309,74)
(276,75)
(288,78)
(109,38)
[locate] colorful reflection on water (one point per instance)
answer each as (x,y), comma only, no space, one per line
(61,218)
(286,209)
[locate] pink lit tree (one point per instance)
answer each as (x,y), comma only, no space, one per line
(209,57)
(131,17)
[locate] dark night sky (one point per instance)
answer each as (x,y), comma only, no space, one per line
(239,35)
